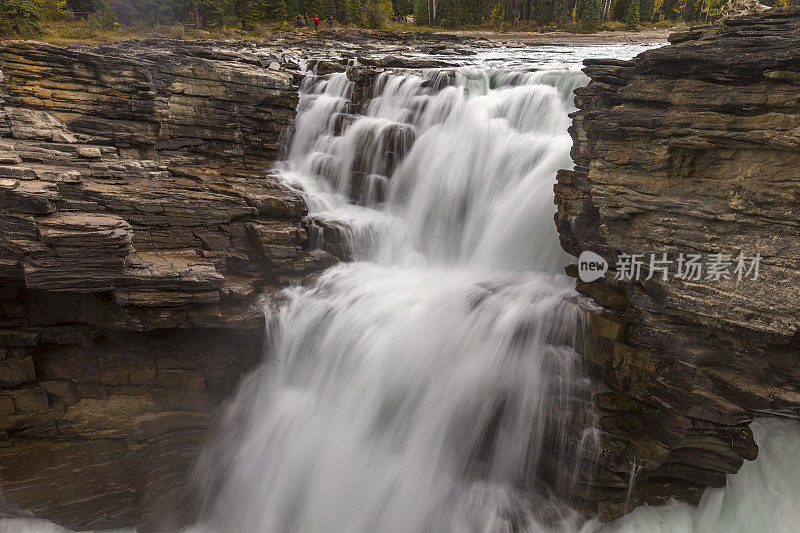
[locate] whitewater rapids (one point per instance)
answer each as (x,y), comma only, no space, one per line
(422,386)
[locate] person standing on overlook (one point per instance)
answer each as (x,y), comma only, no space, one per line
(330,21)
(316,22)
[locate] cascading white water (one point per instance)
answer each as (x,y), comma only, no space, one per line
(432,384)
(427,385)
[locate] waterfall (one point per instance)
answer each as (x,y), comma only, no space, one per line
(434,383)
(431,384)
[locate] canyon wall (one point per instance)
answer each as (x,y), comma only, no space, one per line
(693,148)
(139,231)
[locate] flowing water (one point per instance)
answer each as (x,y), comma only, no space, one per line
(434,383)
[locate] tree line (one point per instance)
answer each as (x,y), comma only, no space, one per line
(579,15)
(26,17)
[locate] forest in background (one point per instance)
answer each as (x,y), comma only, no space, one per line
(31,18)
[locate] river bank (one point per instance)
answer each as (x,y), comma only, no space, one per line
(529,38)
(82,32)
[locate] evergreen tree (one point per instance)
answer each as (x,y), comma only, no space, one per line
(403,7)
(82,6)
(561,12)
(340,10)
(590,15)
(155,11)
(421,13)
(619,9)
(19,18)
(108,15)
(49,10)
(632,15)
(246,11)
(355,12)
(646,10)
(328,8)
(376,13)
(24,17)
(209,12)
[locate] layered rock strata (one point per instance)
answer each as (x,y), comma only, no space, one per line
(139,230)
(693,148)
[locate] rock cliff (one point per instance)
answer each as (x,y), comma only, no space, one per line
(139,228)
(693,148)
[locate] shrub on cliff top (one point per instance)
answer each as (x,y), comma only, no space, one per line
(19,18)
(376,14)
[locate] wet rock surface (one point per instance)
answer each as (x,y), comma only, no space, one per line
(690,148)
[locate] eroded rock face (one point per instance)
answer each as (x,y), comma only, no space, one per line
(139,231)
(691,148)
(138,95)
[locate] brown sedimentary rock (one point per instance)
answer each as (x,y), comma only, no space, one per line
(139,230)
(692,148)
